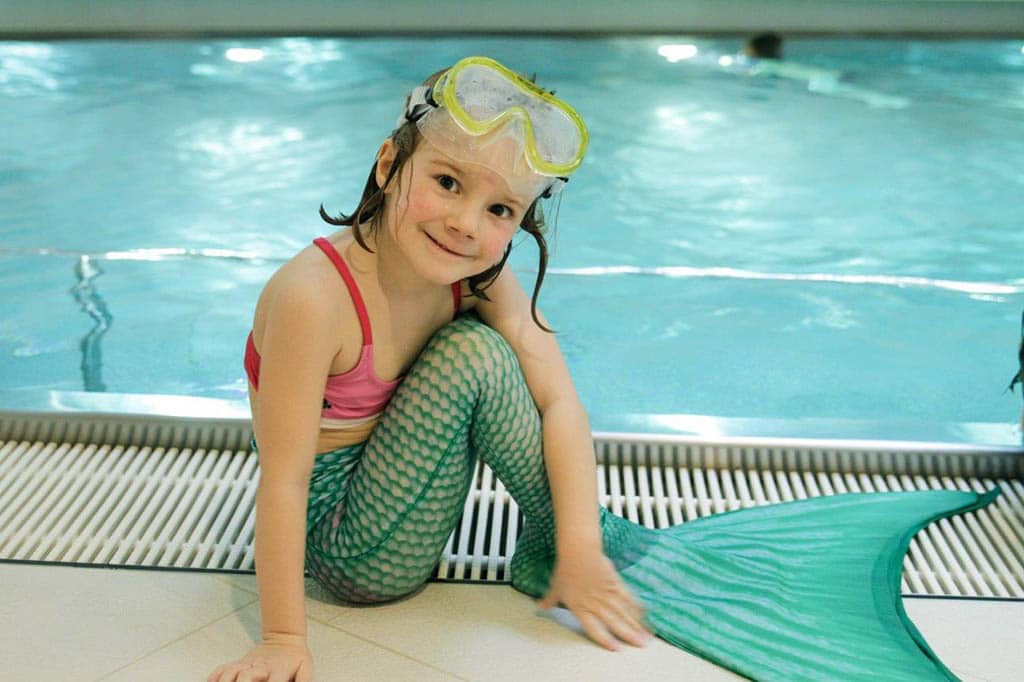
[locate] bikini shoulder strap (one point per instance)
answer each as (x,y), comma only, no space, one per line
(353,288)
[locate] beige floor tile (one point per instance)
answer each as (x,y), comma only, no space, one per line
(80,623)
(337,655)
(492,633)
(246,581)
(980,641)
(319,603)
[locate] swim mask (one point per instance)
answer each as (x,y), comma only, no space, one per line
(479,111)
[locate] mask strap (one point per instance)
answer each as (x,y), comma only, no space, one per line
(421,100)
(554,188)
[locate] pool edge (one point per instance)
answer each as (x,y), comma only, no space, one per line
(954,436)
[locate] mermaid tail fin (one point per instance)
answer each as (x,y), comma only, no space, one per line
(807,590)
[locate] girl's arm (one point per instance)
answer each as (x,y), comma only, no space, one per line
(296,354)
(584,579)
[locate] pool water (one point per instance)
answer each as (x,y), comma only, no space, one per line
(838,237)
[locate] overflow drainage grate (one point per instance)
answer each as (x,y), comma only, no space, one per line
(180,493)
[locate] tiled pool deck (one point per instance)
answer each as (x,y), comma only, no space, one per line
(68,624)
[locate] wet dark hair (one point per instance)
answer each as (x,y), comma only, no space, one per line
(370,209)
(766,46)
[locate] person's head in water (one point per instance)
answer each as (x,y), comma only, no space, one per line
(764,46)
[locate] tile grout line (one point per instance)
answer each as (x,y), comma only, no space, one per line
(163,646)
(227,579)
(386,648)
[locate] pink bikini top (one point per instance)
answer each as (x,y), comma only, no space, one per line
(358,394)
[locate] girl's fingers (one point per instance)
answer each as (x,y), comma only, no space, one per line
(626,628)
(625,597)
(304,674)
(254,673)
(637,616)
(625,618)
(628,604)
(609,613)
(225,673)
(279,675)
(598,632)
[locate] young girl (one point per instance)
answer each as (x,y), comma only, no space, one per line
(370,404)
(385,358)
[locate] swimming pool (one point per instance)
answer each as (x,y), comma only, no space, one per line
(839,241)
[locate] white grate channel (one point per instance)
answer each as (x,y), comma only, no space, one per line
(94,491)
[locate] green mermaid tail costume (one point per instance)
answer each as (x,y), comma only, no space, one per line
(801,590)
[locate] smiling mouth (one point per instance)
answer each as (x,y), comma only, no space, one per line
(445,248)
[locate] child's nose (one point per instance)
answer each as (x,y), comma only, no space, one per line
(463,218)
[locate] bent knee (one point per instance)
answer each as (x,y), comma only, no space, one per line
(468,333)
(364,584)
(469,328)
(356,593)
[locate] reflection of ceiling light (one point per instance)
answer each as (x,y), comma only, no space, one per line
(675,53)
(725,60)
(244,55)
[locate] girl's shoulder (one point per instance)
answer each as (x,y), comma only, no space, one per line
(307,276)
(304,291)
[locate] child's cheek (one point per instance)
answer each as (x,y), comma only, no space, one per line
(496,242)
(421,205)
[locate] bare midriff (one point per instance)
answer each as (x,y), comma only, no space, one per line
(332,439)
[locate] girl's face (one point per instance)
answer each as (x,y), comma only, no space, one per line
(450,219)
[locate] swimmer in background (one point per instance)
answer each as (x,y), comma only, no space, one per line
(762,56)
(764,46)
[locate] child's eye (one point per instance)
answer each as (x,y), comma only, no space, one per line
(502,211)
(447,182)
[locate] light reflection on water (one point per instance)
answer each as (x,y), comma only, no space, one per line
(734,244)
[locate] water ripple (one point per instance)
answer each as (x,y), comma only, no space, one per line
(667,271)
(682,271)
(156,254)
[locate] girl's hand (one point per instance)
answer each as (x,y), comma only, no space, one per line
(279,658)
(592,589)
